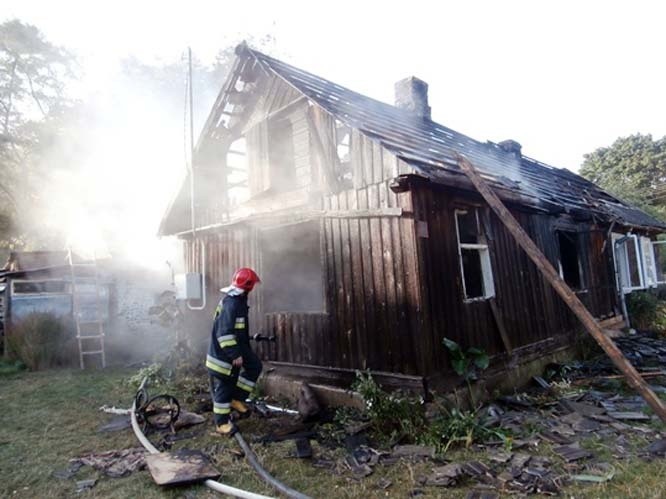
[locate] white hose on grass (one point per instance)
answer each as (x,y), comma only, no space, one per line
(211,484)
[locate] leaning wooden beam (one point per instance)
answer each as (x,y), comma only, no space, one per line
(633,377)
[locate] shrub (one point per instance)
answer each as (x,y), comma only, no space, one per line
(455,426)
(396,417)
(393,416)
(467,363)
(155,374)
(41,340)
(643,308)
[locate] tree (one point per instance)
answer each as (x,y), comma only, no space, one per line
(33,75)
(633,168)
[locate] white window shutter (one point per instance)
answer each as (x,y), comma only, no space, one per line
(649,267)
(658,248)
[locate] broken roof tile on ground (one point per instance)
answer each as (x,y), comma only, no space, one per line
(114,463)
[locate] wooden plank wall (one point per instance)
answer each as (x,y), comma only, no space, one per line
(371,271)
(225,252)
(530,308)
(301,338)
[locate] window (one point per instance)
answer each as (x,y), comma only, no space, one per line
(628,262)
(343,150)
(571,269)
(292,275)
(49,286)
(659,261)
(474,256)
(647,253)
(281,155)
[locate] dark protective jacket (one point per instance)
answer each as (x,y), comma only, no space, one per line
(229,335)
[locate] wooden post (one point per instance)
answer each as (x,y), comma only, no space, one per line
(633,377)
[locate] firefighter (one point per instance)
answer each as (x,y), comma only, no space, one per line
(232,365)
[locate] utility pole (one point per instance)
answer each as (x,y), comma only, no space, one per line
(191,165)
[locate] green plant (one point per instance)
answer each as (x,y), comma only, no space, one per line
(153,372)
(11,367)
(393,416)
(41,340)
(643,308)
(455,426)
(465,363)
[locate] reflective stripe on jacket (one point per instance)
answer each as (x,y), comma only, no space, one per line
(230,332)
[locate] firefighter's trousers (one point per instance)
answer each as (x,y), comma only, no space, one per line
(237,386)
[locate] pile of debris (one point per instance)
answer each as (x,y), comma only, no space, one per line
(554,427)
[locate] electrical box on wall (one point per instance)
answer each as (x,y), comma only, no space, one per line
(188,286)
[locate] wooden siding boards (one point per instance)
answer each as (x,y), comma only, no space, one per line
(392,296)
(372,266)
(531,310)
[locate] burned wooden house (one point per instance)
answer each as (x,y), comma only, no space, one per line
(371,243)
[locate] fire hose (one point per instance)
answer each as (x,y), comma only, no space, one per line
(142,396)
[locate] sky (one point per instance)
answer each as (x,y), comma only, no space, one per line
(562,78)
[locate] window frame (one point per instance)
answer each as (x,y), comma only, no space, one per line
(656,266)
(66,287)
(649,262)
(487,275)
(639,261)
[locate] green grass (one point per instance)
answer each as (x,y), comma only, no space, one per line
(49,417)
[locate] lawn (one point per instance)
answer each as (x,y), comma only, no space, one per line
(50,417)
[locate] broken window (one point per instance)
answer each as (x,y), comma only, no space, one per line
(659,252)
(571,269)
(474,256)
(292,275)
(281,155)
(343,150)
(628,262)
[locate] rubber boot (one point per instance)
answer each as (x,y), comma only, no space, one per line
(226,430)
(241,408)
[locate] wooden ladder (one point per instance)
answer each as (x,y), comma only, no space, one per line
(80,284)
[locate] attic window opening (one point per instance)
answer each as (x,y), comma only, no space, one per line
(570,265)
(474,256)
(343,149)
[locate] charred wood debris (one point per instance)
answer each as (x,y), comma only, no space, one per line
(549,427)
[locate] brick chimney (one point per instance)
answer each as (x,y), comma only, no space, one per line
(411,94)
(511,146)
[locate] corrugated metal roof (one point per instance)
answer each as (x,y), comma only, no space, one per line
(431,149)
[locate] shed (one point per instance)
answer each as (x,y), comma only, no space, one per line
(41,282)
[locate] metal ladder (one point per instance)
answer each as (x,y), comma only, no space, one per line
(84,335)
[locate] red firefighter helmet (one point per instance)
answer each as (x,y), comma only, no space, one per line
(245,279)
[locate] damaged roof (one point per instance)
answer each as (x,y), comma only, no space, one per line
(431,149)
